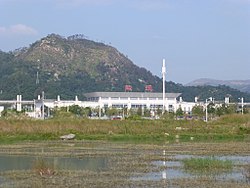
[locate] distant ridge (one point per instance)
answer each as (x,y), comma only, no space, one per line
(242,85)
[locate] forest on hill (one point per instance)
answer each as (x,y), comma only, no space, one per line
(75,65)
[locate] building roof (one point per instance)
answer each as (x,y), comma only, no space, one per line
(131,94)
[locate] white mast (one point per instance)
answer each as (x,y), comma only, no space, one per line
(163,84)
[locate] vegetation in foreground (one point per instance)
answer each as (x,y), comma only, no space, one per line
(226,127)
(207,165)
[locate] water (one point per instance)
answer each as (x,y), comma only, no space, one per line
(9,162)
(171,169)
(174,169)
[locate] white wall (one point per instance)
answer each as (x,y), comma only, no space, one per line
(1,109)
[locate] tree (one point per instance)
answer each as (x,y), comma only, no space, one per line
(179,112)
(198,111)
(219,111)
(230,109)
(139,111)
(112,111)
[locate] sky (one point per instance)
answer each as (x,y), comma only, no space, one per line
(198,38)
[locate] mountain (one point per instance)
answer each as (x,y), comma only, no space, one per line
(70,66)
(242,85)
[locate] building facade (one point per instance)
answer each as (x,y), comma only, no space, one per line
(134,100)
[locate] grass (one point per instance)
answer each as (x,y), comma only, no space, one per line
(207,164)
(233,127)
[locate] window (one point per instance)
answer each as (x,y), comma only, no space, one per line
(133,98)
(152,98)
(124,98)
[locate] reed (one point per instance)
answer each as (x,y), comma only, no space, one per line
(43,168)
(207,164)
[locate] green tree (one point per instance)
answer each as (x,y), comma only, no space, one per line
(179,112)
(198,111)
(211,108)
(139,111)
(112,112)
(77,110)
(230,109)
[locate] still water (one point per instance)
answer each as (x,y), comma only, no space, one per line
(172,169)
(9,162)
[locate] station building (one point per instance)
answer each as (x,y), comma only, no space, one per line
(134,100)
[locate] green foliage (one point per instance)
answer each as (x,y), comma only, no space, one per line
(112,112)
(225,109)
(179,112)
(79,111)
(13,114)
(198,111)
(134,117)
(207,165)
(168,116)
(71,112)
(74,66)
(211,108)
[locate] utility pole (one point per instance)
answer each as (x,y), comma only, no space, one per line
(37,78)
(163,84)
(206,110)
(206,104)
(42,104)
(242,105)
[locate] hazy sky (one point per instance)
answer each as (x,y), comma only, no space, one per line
(198,38)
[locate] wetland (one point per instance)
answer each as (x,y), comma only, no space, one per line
(125,153)
(109,164)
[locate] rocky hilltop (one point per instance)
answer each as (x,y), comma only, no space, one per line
(63,66)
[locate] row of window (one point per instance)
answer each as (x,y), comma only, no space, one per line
(154,107)
(132,98)
(122,98)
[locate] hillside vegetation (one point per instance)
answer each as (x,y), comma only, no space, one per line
(75,65)
(242,85)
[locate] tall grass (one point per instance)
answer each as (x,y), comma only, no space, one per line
(206,165)
(30,129)
(43,168)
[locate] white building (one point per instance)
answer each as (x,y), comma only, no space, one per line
(134,100)
(1,109)
(120,100)
(102,100)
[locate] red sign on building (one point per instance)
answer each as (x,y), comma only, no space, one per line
(148,88)
(128,88)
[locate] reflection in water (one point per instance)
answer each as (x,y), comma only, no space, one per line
(164,173)
(8,162)
(174,170)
